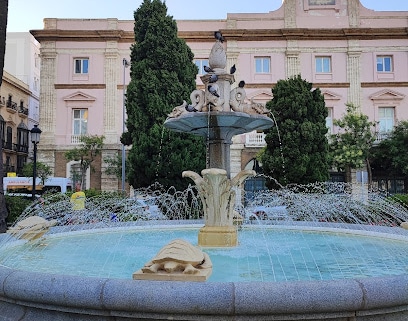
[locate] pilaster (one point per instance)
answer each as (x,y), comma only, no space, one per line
(111,110)
(108,182)
(48,100)
(354,73)
(292,59)
(290,13)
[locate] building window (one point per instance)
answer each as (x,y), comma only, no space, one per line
(9,138)
(36,60)
(200,63)
(81,65)
(36,84)
(80,122)
(329,121)
(384,64)
(323,64)
(386,121)
(2,128)
(262,65)
(22,138)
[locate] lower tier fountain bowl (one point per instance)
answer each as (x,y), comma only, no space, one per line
(314,271)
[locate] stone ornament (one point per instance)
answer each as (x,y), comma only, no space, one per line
(218,96)
(217,193)
(31,228)
(177,261)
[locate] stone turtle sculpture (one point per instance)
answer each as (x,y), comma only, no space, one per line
(178,256)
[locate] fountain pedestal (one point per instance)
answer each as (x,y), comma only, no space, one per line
(217,194)
(218,236)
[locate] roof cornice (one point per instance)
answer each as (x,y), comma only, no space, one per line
(230,34)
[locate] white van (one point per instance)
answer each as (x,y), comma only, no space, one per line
(23,186)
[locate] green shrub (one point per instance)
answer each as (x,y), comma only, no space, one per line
(15,207)
(402,199)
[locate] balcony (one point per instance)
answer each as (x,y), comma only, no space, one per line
(11,106)
(20,148)
(255,140)
(8,146)
(380,137)
(76,139)
(9,168)
(23,111)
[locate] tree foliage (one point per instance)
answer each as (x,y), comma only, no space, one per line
(3,32)
(162,76)
(349,148)
(90,147)
(391,154)
(297,146)
(43,171)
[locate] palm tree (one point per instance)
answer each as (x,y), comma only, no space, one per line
(3,28)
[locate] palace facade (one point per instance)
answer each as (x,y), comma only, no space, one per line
(353,54)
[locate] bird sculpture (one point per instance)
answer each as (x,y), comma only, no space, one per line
(213,78)
(241,84)
(208,69)
(213,90)
(218,36)
(233,69)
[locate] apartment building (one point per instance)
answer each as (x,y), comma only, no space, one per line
(353,54)
(22,60)
(14,97)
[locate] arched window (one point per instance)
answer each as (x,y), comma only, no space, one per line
(22,138)
(2,126)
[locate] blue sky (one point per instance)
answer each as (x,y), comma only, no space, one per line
(25,15)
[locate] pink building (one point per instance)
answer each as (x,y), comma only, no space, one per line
(353,54)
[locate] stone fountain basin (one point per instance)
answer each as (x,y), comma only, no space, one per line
(45,296)
(38,296)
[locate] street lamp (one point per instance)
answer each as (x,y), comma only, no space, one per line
(125,65)
(35,139)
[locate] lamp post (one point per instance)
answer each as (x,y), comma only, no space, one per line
(35,139)
(125,65)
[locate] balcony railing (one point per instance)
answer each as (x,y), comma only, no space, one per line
(11,106)
(22,111)
(8,145)
(76,139)
(20,148)
(381,136)
(255,140)
(9,168)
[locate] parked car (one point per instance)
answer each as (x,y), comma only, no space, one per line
(267,212)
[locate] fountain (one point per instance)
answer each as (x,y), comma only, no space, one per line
(50,292)
(217,114)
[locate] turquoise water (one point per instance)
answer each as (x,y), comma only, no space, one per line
(262,255)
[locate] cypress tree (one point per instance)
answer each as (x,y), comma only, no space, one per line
(297,146)
(162,76)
